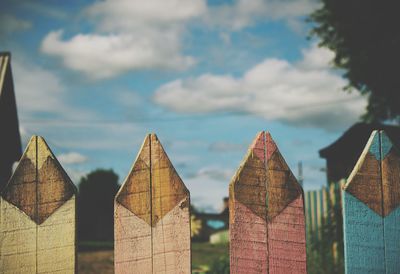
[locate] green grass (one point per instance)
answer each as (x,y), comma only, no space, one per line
(204,254)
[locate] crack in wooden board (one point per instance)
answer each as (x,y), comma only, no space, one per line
(371,209)
(134,193)
(283,187)
(272,184)
(38,216)
(390,168)
(266,200)
(39,185)
(153,187)
(375,180)
(152,217)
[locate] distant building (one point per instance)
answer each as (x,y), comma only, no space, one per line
(10,140)
(212,223)
(342,155)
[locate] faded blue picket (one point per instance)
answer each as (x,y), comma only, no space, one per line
(371,212)
(364,248)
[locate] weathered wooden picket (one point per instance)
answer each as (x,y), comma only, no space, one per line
(152,217)
(37,215)
(371,214)
(267,226)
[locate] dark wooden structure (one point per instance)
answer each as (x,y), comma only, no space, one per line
(212,222)
(10,145)
(342,155)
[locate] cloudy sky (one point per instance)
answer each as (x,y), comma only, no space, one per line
(94,77)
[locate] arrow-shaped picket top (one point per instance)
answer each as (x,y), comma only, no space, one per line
(371,214)
(152,211)
(37,215)
(39,185)
(267,226)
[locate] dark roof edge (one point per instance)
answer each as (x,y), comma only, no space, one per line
(360,126)
(5,53)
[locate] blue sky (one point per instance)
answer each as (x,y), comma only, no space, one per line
(94,77)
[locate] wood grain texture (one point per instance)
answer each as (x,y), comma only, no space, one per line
(287,240)
(364,182)
(286,217)
(134,194)
(152,218)
(267,225)
(391,199)
(362,211)
(390,175)
(38,220)
(39,185)
(248,213)
(363,237)
(371,212)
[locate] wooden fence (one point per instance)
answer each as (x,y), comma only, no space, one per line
(319,207)
(152,218)
(323,210)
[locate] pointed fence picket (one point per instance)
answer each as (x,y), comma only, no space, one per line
(267,223)
(37,215)
(371,213)
(152,216)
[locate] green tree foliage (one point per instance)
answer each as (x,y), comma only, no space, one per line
(220,265)
(325,253)
(365,36)
(96,205)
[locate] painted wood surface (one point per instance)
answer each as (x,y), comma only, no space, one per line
(267,225)
(37,215)
(390,167)
(371,215)
(152,218)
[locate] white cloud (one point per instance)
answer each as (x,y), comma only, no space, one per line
(226,147)
(75,175)
(244,13)
(141,35)
(130,35)
(305,93)
(71,158)
(215,181)
(128,14)
(39,91)
(31,92)
(104,56)
(24,135)
(214,173)
(9,24)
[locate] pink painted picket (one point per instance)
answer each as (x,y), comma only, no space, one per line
(267,222)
